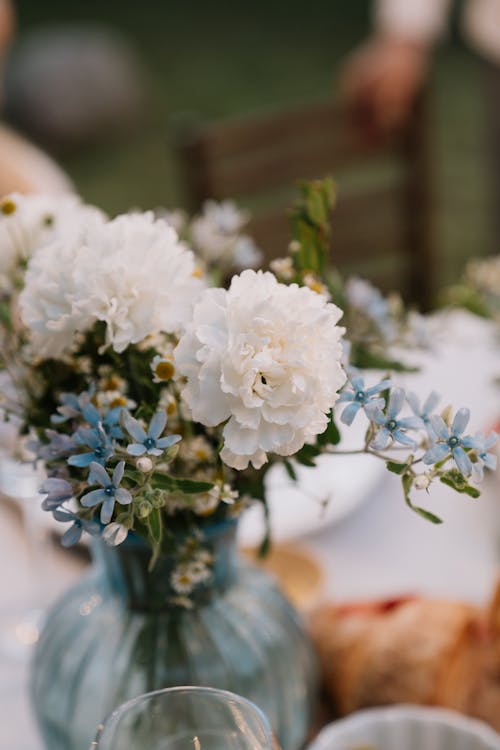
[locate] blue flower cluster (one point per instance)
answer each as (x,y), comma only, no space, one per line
(99,438)
(441,442)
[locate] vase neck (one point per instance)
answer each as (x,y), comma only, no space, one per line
(127,574)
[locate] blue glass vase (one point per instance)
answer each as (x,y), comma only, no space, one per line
(117,635)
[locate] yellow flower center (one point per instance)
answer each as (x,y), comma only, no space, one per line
(197,272)
(164,370)
(171,408)
(118,401)
(8,206)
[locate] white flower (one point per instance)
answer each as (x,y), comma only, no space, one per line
(131,273)
(216,236)
(266,358)
(28,222)
(144,464)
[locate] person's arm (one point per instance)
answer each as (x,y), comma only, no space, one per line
(381,79)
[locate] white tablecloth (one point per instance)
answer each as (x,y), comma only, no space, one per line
(382,548)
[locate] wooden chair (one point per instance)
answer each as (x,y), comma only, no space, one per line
(381,221)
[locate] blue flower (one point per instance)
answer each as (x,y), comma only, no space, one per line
(424,411)
(149,442)
(110,423)
(73,534)
(111,490)
(485,459)
(360,396)
(390,427)
(71,407)
(58,491)
(98,441)
(60,446)
(450,441)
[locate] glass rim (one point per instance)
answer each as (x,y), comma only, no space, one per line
(115,715)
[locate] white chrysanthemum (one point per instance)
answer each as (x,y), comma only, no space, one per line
(131,273)
(265,357)
(28,222)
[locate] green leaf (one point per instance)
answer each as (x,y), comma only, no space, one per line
(407,481)
(265,545)
(188,486)
(331,436)
(454,479)
(155,524)
(396,467)
(307,454)
(290,470)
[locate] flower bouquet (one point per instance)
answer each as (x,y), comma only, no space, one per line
(158,402)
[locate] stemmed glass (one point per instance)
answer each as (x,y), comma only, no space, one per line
(186,718)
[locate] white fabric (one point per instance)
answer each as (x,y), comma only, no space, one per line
(426,20)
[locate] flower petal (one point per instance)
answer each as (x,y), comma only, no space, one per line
(436,453)
(381,439)
(99,475)
(136,449)
(439,427)
(430,403)
(396,401)
(157,424)
(118,473)
(167,442)
(133,428)
(94,497)
(123,496)
(403,439)
(462,460)
(81,459)
(350,412)
(107,509)
(460,422)
(72,535)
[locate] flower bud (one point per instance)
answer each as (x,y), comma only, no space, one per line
(422,482)
(144,509)
(144,464)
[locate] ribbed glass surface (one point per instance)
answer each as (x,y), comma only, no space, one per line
(114,637)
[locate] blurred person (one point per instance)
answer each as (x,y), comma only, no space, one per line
(23,167)
(382,78)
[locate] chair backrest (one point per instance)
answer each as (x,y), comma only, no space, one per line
(381,221)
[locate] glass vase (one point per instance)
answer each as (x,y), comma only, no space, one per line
(117,635)
(186,718)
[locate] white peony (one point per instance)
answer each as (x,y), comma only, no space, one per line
(131,273)
(28,222)
(265,357)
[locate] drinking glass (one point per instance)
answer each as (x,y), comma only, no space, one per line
(186,718)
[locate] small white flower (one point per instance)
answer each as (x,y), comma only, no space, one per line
(313,283)
(115,534)
(206,502)
(144,464)
(162,367)
(264,358)
(196,450)
(217,238)
(283,268)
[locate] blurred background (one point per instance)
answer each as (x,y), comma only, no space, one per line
(216,60)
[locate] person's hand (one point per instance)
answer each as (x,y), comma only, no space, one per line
(379,84)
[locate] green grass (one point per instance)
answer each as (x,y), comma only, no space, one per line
(224,58)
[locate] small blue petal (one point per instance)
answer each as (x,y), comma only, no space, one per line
(157,424)
(381,439)
(350,412)
(462,460)
(134,428)
(403,439)
(81,459)
(460,422)
(136,449)
(170,440)
(439,427)
(118,473)
(99,474)
(107,509)
(72,535)
(436,453)
(93,498)
(396,401)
